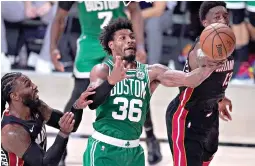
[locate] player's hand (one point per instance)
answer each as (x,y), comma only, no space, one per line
(225,107)
(55,56)
(66,123)
(141,56)
(118,73)
(82,102)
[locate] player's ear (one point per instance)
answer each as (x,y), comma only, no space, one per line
(14,96)
(205,23)
(110,45)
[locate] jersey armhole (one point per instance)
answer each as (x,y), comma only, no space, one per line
(108,67)
(148,77)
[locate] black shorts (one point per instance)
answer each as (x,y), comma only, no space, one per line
(192,133)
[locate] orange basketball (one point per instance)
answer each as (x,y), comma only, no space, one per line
(217,41)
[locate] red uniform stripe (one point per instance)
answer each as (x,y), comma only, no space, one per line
(12,159)
(206,163)
(178,129)
(21,162)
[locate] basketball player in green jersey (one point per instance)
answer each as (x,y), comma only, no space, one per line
(93,16)
(123,92)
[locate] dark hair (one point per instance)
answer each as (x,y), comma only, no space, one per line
(206,6)
(109,31)
(7,85)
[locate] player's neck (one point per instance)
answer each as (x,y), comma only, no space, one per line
(127,64)
(19,110)
(130,65)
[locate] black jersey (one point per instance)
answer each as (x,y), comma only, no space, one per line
(35,128)
(212,90)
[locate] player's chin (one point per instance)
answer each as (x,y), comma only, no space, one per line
(129,52)
(129,57)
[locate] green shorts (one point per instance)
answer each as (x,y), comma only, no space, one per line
(89,53)
(101,154)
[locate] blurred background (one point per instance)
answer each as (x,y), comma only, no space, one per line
(25,37)
(25,47)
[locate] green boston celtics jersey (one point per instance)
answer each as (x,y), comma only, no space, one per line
(123,113)
(93,16)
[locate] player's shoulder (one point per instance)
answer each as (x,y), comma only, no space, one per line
(13,132)
(101,67)
(100,70)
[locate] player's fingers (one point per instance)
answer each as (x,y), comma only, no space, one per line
(230,107)
(69,118)
(86,94)
(71,124)
(122,66)
(223,117)
(63,119)
(117,61)
(227,115)
(60,121)
(88,103)
(91,88)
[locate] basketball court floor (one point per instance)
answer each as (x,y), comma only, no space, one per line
(237,137)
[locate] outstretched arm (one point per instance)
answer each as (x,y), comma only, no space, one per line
(175,78)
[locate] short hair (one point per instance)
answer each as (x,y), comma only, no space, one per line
(7,85)
(109,31)
(206,6)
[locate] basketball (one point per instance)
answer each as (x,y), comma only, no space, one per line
(217,41)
